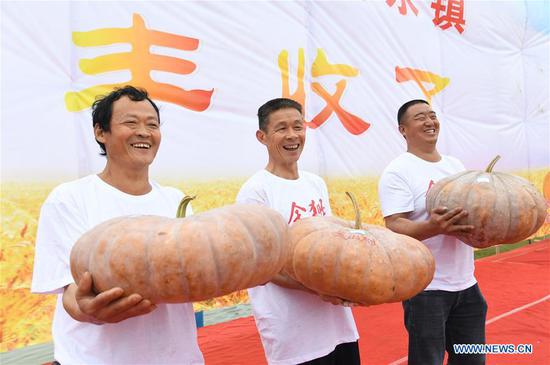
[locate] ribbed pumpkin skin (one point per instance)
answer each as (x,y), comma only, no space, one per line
(184,259)
(503,208)
(371,266)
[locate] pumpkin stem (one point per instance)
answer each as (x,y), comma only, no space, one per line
(492,164)
(356,209)
(183,205)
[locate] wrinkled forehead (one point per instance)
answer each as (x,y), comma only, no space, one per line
(125,107)
(285,115)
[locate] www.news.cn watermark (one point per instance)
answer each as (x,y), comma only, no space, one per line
(506,348)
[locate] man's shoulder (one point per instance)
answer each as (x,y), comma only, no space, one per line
(260,177)
(167,189)
(399,163)
(71,189)
(453,161)
(255,186)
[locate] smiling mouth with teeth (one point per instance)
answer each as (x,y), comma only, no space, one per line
(291,147)
(141,145)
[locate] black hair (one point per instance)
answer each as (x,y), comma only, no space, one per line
(272,106)
(102,108)
(401,112)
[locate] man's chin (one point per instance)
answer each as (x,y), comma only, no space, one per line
(294,156)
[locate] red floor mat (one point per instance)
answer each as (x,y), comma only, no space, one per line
(511,283)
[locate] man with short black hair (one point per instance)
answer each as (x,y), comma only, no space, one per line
(296,325)
(112,327)
(451,310)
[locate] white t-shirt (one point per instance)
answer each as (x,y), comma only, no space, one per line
(168,335)
(402,188)
(295,326)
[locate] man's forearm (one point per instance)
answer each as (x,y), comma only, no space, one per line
(419,230)
(70,304)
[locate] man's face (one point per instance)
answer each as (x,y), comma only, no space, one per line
(420,125)
(284,137)
(134,138)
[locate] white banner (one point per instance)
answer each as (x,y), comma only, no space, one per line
(483,64)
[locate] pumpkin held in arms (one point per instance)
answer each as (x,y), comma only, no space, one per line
(169,260)
(502,207)
(362,264)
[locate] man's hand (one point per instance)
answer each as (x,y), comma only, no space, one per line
(107,307)
(440,221)
(444,221)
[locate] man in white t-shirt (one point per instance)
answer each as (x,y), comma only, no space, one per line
(112,327)
(296,325)
(451,310)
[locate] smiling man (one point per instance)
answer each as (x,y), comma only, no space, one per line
(296,325)
(112,327)
(452,309)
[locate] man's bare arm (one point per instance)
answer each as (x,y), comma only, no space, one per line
(441,221)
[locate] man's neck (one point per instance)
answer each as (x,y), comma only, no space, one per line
(289,172)
(129,182)
(427,153)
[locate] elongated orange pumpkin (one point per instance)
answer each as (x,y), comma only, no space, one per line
(364,264)
(182,260)
(502,207)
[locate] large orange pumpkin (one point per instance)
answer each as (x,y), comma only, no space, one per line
(364,264)
(182,260)
(503,208)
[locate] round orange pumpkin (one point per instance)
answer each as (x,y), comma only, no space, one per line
(168,260)
(502,207)
(365,265)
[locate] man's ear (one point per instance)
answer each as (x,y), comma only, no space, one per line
(402,130)
(99,134)
(261,137)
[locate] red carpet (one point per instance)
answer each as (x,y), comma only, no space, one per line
(516,285)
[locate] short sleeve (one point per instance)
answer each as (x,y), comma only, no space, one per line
(251,194)
(395,194)
(458,165)
(59,227)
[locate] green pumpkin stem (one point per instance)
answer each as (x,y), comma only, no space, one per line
(356,209)
(183,205)
(492,164)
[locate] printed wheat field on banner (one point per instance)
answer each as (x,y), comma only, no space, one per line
(26,318)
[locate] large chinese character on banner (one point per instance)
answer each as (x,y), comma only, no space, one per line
(140,62)
(322,67)
(421,77)
(449,13)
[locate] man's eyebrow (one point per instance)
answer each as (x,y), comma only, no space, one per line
(134,115)
(423,113)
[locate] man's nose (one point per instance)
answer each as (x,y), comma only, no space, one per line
(143,131)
